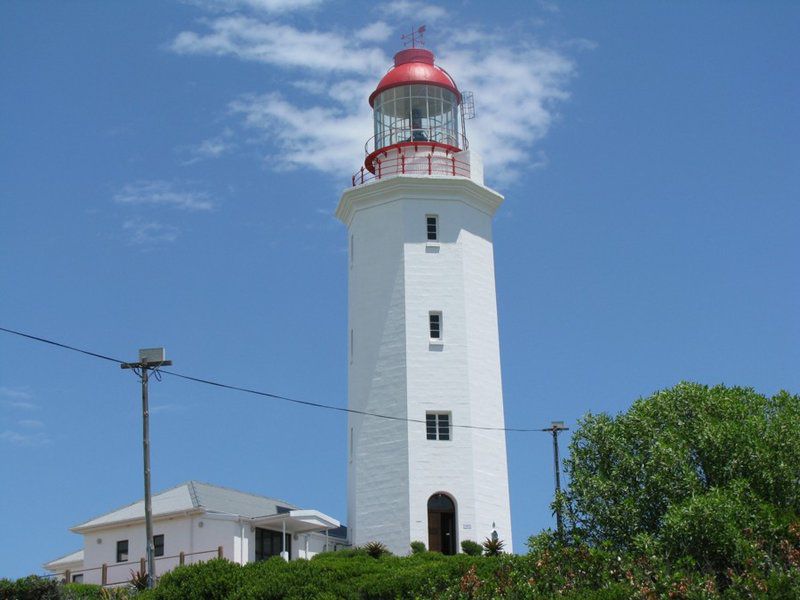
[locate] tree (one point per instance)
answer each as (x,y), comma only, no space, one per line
(681,456)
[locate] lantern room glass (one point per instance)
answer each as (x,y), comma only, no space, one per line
(416,113)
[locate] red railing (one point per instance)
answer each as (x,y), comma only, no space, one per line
(430,164)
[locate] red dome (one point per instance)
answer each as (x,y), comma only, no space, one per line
(415,65)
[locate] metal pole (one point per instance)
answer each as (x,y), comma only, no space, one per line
(556,428)
(559,520)
(149,358)
(148,503)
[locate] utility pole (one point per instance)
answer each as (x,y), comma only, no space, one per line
(555,428)
(149,358)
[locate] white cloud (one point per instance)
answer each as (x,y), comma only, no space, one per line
(17,398)
(16,393)
(420,11)
(20,404)
(142,232)
(374,32)
(280,45)
(321,119)
(548,6)
(159,408)
(517,93)
(326,138)
(210,148)
(25,439)
(267,6)
(162,193)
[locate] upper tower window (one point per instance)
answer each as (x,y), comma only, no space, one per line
(432,224)
(435,325)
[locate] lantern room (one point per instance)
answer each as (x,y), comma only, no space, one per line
(417,117)
(416,101)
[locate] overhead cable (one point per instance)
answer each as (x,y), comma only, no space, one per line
(245,390)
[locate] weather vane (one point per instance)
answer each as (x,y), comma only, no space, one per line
(415,37)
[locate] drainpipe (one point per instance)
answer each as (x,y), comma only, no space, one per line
(283,543)
(242,557)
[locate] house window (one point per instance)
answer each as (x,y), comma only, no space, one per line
(77,578)
(437,426)
(435,325)
(268,543)
(158,544)
(432,222)
(122,551)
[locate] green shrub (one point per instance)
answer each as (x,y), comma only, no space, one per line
(30,588)
(471,548)
(417,547)
(213,580)
(82,591)
(376,549)
(493,547)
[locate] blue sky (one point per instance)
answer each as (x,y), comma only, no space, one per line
(169,173)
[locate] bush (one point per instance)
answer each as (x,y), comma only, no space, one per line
(213,580)
(418,547)
(376,549)
(84,591)
(30,588)
(471,548)
(493,547)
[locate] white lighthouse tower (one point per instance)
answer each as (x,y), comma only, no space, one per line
(423,340)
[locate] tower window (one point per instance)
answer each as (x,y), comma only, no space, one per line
(437,426)
(432,222)
(435,325)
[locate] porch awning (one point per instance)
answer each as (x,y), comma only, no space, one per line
(298,521)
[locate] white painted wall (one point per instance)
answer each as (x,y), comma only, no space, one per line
(396,278)
(181,533)
(378,456)
(185,533)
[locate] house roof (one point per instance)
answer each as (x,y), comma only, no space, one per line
(191,496)
(65,561)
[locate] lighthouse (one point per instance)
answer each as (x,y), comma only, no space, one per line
(423,345)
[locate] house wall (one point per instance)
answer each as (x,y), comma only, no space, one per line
(181,534)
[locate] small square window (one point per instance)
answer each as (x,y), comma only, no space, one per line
(437,426)
(78,578)
(435,325)
(122,551)
(432,223)
(158,544)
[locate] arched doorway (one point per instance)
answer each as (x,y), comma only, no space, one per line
(441,524)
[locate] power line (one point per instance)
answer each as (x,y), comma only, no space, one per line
(245,390)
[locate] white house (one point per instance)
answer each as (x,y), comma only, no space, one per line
(195,522)
(424,349)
